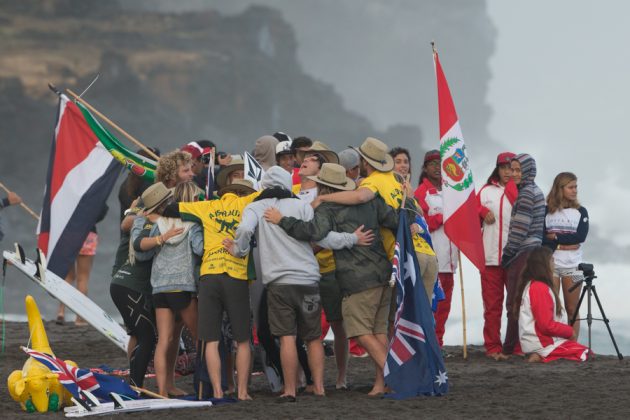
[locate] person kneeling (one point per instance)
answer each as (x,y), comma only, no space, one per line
(543,331)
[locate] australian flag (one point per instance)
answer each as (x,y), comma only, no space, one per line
(414,363)
(438,291)
(76,380)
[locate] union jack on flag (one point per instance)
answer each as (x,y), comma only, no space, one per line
(71,377)
(414,364)
(76,380)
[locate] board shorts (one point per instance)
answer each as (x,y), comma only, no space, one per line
(220,293)
(295,310)
(366,312)
(89,245)
(331,295)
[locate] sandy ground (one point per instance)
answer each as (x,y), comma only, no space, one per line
(480,387)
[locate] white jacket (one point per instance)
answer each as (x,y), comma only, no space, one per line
(445,250)
(493,198)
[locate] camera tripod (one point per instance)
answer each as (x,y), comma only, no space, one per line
(589,289)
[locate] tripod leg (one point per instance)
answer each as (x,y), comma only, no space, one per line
(605,319)
(577,308)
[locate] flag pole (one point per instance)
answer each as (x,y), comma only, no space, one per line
(110,122)
(24,206)
(461,285)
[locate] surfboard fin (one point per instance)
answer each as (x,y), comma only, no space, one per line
(40,264)
(118,402)
(19,251)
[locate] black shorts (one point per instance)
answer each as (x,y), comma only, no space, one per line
(176,301)
(219,293)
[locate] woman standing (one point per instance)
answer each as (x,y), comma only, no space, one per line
(566,227)
(429,196)
(173,278)
(495,206)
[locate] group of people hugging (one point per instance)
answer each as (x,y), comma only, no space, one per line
(312,245)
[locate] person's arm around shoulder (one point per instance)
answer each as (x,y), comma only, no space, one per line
(314,230)
(358,196)
(239,246)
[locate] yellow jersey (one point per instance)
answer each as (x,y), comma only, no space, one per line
(220,219)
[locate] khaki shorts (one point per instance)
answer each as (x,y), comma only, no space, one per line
(331,295)
(294,310)
(365,313)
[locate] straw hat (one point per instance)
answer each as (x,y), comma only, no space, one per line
(334,175)
(154,196)
(223,175)
(319,148)
(375,153)
(239,186)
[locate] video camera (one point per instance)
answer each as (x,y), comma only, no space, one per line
(587,270)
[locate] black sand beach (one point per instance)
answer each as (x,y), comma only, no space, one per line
(480,387)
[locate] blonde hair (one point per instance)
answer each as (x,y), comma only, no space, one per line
(555,198)
(186,192)
(169,164)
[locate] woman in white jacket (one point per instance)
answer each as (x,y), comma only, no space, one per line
(495,201)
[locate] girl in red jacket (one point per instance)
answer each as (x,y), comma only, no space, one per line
(543,331)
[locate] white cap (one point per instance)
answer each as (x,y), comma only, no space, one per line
(283,147)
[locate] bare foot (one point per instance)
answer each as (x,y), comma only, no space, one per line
(498,356)
(309,389)
(176,392)
(244,397)
(376,392)
(534,358)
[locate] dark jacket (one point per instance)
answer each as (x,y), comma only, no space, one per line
(528,213)
(361,267)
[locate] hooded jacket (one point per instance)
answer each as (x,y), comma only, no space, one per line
(283,260)
(265,151)
(528,213)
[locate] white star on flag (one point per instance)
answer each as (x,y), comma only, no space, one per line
(441,378)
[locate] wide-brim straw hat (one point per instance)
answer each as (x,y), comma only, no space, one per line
(223,175)
(154,196)
(321,149)
(334,175)
(239,186)
(375,152)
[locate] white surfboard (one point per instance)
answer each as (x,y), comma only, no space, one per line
(132,406)
(71,297)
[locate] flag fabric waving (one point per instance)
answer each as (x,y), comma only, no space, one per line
(461,220)
(81,175)
(253,171)
(414,364)
(76,380)
(139,165)
(438,291)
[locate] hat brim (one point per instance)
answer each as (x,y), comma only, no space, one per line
(225,172)
(148,210)
(329,155)
(378,165)
(235,189)
(350,185)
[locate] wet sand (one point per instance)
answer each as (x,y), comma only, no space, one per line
(480,387)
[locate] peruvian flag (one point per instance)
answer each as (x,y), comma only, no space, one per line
(461,220)
(81,175)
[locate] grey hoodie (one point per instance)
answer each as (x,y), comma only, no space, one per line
(284,260)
